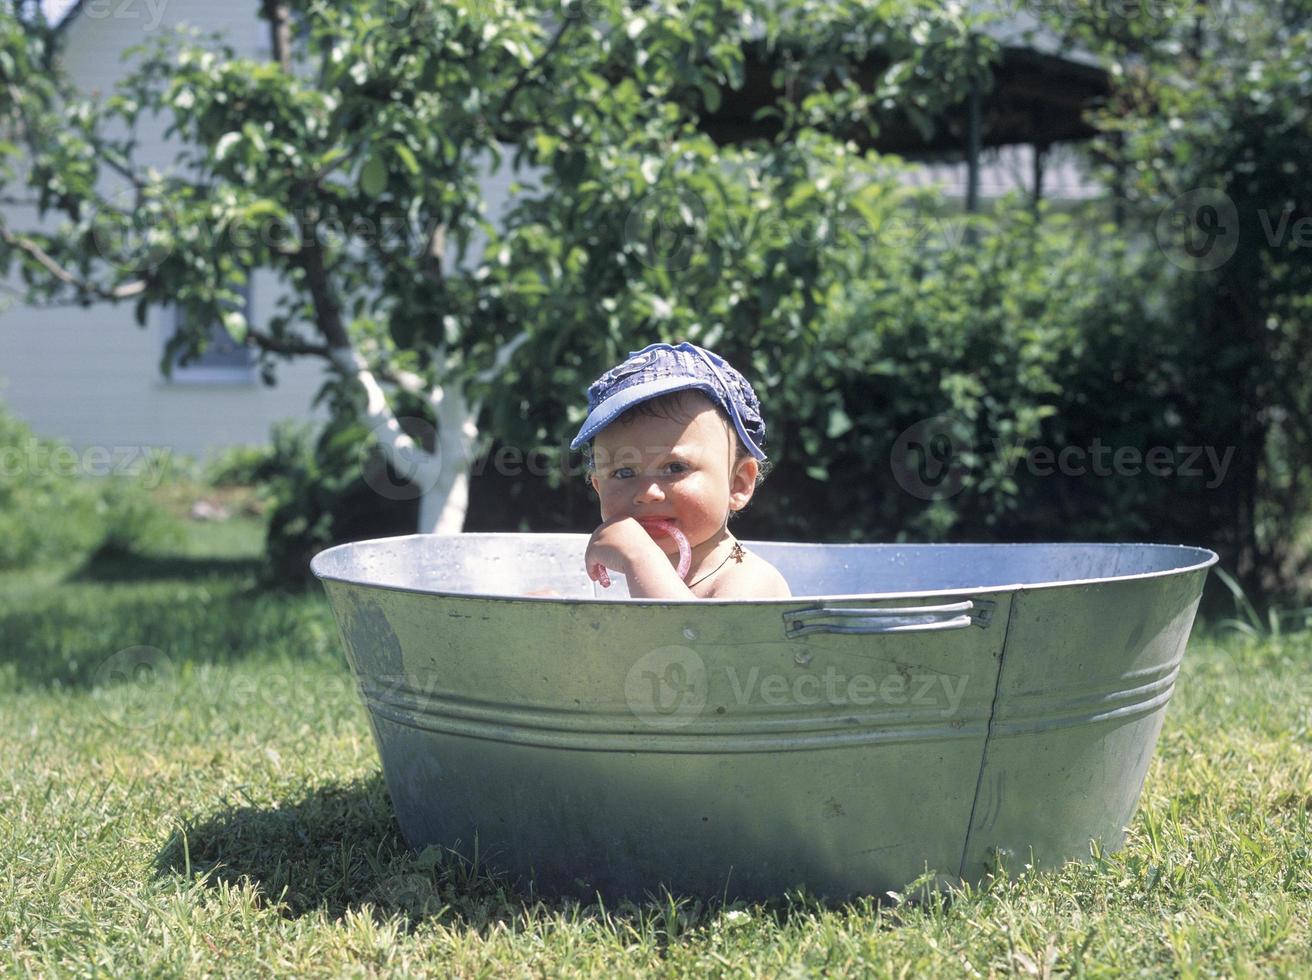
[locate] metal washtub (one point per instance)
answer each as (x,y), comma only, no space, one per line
(911,708)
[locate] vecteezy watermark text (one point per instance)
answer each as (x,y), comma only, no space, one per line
(833,687)
(149,11)
(36,457)
(933,458)
(670,687)
(1200,230)
(1102,460)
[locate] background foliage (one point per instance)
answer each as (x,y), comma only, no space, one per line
(1213,105)
(859,307)
(50,512)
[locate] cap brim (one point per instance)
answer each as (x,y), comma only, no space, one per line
(620,402)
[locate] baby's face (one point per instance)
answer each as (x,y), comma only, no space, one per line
(680,468)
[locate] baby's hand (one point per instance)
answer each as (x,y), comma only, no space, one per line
(612,545)
(626,545)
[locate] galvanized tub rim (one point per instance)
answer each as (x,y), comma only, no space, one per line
(1203,558)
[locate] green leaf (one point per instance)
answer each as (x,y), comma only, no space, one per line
(225,143)
(711,96)
(839,423)
(407,158)
(262,209)
(332,156)
(373,176)
(234,321)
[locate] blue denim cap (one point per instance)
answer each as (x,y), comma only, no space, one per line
(659,369)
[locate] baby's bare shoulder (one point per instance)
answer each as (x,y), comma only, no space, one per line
(754,578)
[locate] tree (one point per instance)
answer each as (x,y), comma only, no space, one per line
(1205,137)
(349,165)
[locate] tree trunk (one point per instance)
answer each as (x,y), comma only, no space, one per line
(280,33)
(441,476)
(445,502)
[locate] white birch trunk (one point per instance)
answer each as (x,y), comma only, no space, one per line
(445,502)
(441,476)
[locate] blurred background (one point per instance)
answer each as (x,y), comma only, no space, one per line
(323,271)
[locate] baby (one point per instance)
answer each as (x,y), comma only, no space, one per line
(675,437)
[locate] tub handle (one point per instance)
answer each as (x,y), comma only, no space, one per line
(901,619)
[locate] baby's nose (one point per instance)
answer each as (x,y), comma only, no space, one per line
(650,490)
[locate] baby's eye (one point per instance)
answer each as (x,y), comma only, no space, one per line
(677,467)
(622,473)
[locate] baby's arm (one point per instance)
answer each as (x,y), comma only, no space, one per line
(625,546)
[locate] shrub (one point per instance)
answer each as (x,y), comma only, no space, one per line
(1020,338)
(43,516)
(322,497)
(240,466)
(131,522)
(48,514)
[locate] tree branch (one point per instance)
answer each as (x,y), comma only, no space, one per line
(406,456)
(434,252)
(106,155)
(531,68)
(502,357)
(317,177)
(36,252)
(327,309)
(407,381)
(276,345)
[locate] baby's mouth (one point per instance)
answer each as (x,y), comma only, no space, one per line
(655,520)
(664,527)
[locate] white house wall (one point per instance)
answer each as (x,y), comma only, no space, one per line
(91,377)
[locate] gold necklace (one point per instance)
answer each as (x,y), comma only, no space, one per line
(737,553)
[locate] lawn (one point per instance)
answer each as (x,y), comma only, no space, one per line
(188,786)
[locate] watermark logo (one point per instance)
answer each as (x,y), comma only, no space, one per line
(665,229)
(1199,230)
(666,688)
(838,689)
(416,470)
(1286,228)
(134,235)
(930,458)
(151,12)
(138,683)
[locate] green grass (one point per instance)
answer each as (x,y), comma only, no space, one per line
(188,786)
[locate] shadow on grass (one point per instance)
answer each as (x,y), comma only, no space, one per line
(136,568)
(159,614)
(339,849)
(336,850)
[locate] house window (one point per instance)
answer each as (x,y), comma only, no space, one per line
(224,361)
